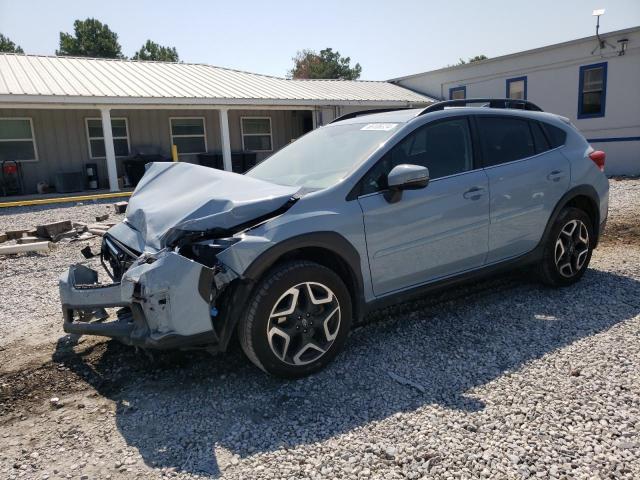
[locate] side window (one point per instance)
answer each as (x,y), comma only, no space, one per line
(539,140)
(504,139)
(443,147)
(556,135)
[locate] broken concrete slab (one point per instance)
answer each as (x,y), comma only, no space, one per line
(29,239)
(53,230)
(64,235)
(102,218)
(84,236)
(15,234)
(100,226)
(3,237)
(29,247)
(120,207)
(98,231)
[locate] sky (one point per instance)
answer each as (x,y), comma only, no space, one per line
(388,38)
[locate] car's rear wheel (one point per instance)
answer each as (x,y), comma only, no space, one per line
(297,320)
(568,249)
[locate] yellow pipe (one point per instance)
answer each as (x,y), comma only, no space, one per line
(78,198)
(174,153)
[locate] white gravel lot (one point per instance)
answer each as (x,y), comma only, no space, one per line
(500,379)
(28,282)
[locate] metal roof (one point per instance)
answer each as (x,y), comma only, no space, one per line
(45,79)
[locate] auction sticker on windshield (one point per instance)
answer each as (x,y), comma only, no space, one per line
(384,127)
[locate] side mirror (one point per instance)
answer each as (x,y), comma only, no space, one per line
(406,177)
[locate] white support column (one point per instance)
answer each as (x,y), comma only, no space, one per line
(110,152)
(226,142)
(314,118)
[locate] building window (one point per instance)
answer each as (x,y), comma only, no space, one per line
(16,140)
(256,134)
(517,88)
(592,90)
(188,134)
(120,131)
(457,93)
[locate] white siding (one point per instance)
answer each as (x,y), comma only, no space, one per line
(552,83)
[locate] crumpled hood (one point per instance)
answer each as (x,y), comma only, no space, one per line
(175,198)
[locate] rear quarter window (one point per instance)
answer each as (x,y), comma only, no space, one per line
(556,136)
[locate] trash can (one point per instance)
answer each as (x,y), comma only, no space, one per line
(91,175)
(134,167)
(243,161)
(250,160)
(67,182)
(211,159)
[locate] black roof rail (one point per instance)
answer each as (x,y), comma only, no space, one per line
(347,116)
(490,102)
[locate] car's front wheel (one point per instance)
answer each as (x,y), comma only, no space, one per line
(568,249)
(297,320)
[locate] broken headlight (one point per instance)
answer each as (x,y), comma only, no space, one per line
(206,251)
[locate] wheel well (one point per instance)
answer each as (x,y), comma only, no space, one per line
(333,261)
(587,205)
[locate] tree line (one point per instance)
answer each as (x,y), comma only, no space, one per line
(92,38)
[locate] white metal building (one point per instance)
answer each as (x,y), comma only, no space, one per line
(597,89)
(60,114)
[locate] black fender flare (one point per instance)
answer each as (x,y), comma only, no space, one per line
(331,241)
(580,190)
(327,240)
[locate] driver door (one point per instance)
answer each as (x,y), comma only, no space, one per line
(435,231)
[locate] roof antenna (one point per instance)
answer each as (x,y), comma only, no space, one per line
(601,42)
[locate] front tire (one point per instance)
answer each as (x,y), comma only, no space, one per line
(568,249)
(297,319)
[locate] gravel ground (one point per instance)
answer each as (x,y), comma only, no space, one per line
(29,282)
(499,379)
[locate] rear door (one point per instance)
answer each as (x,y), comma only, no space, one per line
(527,178)
(435,231)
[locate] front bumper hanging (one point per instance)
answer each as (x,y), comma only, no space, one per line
(164,300)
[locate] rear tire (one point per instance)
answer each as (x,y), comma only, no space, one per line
(568,249)
(297,319)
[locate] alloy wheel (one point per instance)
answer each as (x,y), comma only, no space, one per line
(572,248)
(303,323)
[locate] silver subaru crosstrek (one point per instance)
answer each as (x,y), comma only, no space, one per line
(369,210)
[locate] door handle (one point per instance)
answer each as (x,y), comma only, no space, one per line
(555,176)
(474,193)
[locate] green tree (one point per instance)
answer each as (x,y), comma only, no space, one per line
(326,64)
(152,51)
(91,39)
(477,58)
(8,46)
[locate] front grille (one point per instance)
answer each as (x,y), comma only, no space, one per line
(115,257)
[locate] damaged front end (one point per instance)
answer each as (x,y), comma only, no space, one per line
(169,288)
(163,300)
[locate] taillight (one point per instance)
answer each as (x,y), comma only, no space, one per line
(598,157)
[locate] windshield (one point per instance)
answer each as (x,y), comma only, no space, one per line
(324,156)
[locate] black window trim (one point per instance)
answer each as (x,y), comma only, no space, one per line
(543,126)
(475,156)
(537,154)
(544,135)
